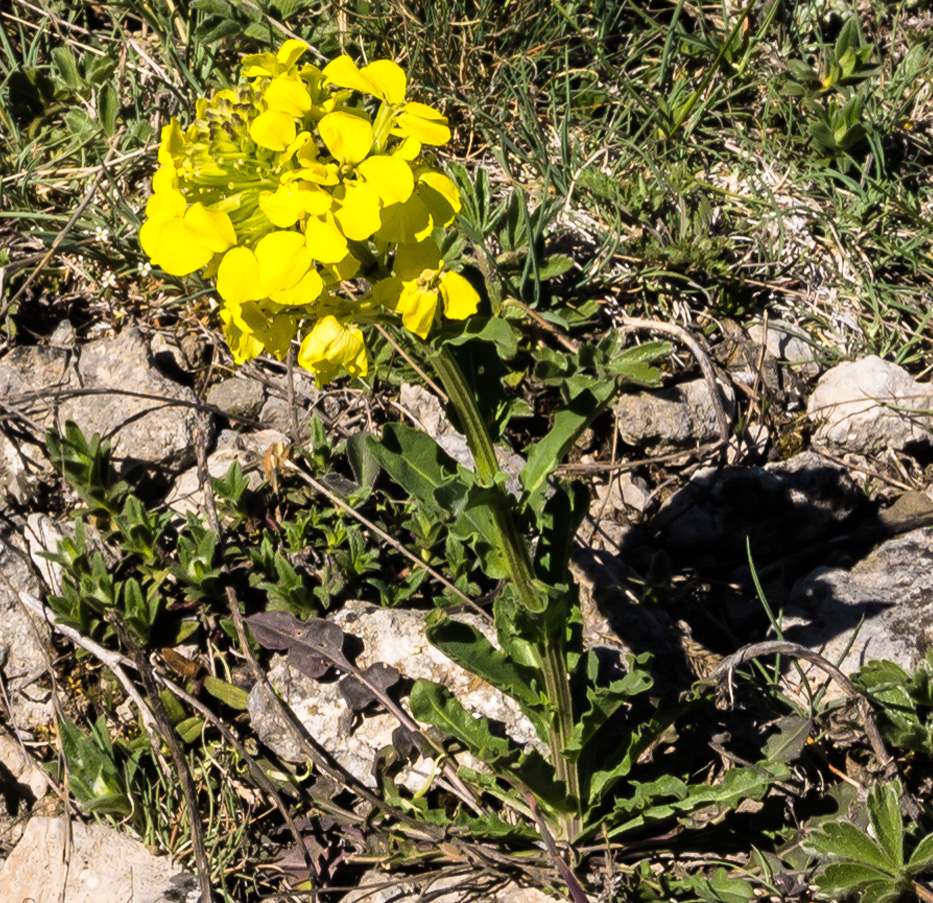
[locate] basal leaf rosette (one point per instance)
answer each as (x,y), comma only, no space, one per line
(293,183)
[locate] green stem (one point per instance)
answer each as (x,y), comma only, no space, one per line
(552,658)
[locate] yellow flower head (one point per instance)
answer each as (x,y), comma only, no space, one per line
(420,283)
(331,345)
(296,180)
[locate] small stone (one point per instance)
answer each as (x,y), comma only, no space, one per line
(389,636)
(636,493)
(373,888)
(882,608)
(147,417)
(239,397)
(676,417)
(783,341)
(249,449)
(868,406)
(63,336)
(26,662)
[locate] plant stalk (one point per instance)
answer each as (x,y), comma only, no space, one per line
(552,659)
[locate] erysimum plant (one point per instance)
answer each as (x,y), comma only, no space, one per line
(304,193)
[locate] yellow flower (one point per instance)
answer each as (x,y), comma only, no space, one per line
(382,78)
(348,137)
(250,329)
(280,268)
(182,239)
(292,201)
(257,65)
(387,81)
(331,345)
(420,283)
(433,204)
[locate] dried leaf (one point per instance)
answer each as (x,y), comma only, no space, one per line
(313,646)
(275,629)
(365,690)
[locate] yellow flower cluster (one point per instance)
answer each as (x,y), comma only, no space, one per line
(293,183)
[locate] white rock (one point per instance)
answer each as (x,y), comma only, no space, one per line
(378,887)
(866,407)
(161,428)
(24,661)
(103,866)
(394,637)
(880,609)
(784,342)
(248,449)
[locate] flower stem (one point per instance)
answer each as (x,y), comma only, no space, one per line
(552,659)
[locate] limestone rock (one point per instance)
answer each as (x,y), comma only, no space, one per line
(239,397)
(374,888)
(33,382)
(394,637)
(247,448)
(865,407)
(23,658)
(276,413)
(22,785)
(682,415)
(784,343)
(892,589)
(780,508)
(104,866)
(161,429)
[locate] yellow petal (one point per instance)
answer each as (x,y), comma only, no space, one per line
(177,250)
(287,95)
(273,331)
(324,239)
(164,205)
(344,73)
(239,339)
(320,173)
(390,176)
(413,260)
(406,223)
(290,52)
(444,186)
(283,259)
(329,346)
(408,149)
(165,179)
(257,64)
(347,137)
(424,123)
(291,201)
(274,130)
(150,238)
(358,210)
(417,306)
(307,291)
(238,276)
(460,298)
(388,79)
(341,270)
(212,228)
(440,196)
